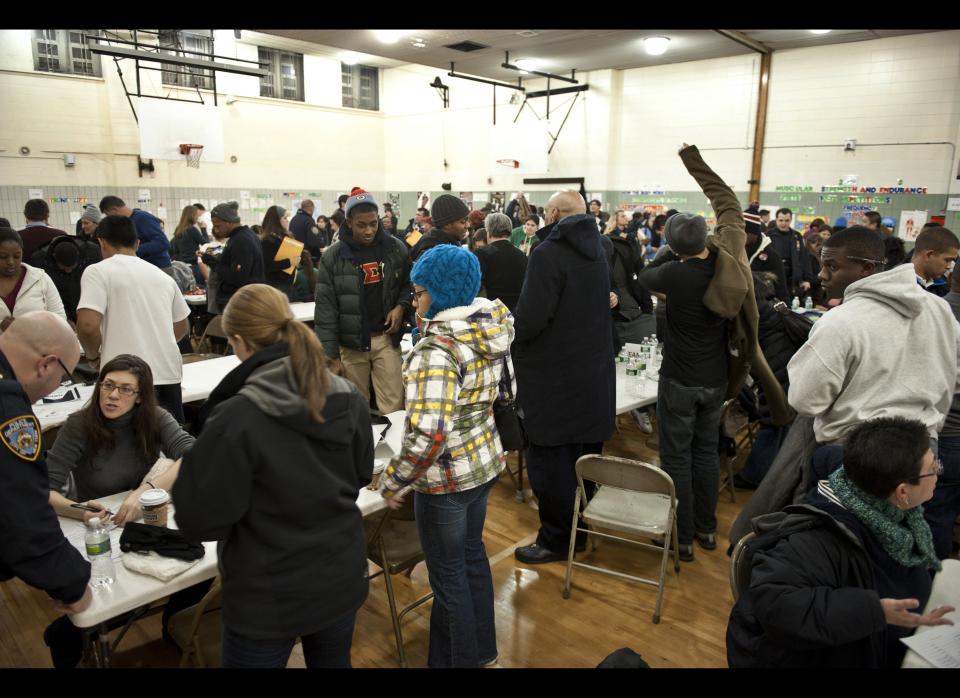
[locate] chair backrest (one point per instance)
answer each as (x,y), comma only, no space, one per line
(740,564)
(624,473)
(214,328)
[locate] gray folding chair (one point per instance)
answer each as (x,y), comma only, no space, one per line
(632,497)
(740,567)
(393,544)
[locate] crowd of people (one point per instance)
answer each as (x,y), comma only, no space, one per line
(534,303)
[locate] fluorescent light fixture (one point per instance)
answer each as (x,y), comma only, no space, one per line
(349,57)
(418,43)
(388,36)
(526,64)
(820,31)
(656,45)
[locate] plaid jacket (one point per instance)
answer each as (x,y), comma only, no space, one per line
(452,378)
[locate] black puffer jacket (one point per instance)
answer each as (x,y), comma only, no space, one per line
(811,600)
(626,263)
(338,315)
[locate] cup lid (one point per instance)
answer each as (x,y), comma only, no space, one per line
(152,498)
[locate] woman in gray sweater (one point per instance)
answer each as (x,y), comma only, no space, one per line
(111,445)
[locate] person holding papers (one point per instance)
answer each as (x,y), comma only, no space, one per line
(281,252)
(838,581)
(284,448)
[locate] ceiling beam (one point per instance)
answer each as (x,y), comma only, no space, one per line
(558,91)
(744,40)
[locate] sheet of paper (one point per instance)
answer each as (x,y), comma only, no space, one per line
(162,212)
(143,195)
(953,203)
(940,646)
(35,194)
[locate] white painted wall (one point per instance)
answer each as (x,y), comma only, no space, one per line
(621,135)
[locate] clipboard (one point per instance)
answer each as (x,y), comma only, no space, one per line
(291,249)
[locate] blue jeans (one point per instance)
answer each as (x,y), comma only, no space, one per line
(327,648)
(942,509)
(688,427)
(462,629)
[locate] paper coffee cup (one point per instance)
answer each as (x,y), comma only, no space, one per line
(155,504)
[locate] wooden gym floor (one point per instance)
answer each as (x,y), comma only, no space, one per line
(536,627)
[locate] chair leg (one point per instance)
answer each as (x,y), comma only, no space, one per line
(662,581)
(393,605)
(676,544)
(730,486)
(573,542)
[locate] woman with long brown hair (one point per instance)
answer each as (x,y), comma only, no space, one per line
(108,447)
(273,229)
(284,448)
(187,239)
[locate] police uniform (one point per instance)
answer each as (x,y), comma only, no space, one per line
(32,546)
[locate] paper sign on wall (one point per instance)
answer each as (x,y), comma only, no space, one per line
(162,212)
(143,196)
(35,194)
(245,199)
(911,223)
(953,204)
(851,180)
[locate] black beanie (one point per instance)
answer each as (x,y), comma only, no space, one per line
(448,208)
(66,253)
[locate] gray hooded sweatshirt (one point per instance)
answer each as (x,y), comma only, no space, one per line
(890,350)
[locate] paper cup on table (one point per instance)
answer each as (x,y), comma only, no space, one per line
(155,504)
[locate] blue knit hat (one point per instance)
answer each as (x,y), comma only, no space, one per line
(450,273)
(358,196)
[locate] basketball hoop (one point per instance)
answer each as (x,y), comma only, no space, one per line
(509,163)
(192,153)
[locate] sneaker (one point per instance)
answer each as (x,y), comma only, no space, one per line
(643,421)
(686,552)
(707,541)
(536,554)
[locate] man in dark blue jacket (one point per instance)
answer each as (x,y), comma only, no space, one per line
(305,229)
(35,354)
(563,356)
(154,244)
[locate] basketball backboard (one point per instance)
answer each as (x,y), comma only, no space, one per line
(164,125)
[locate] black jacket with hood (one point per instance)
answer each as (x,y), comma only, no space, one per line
(240,263)
(339,312)
(563,348)
(67,283)
(432,239)
(278,491)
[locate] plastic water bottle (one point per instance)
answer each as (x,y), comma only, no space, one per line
(808,304)
(97,541)
(796,303)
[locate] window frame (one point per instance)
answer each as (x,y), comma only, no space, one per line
(66,62)
(274,60)
(356,74)
(203,43)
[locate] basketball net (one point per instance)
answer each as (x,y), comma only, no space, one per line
(191,153)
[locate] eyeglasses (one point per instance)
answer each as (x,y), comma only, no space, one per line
(67,374)
(417,294)
(937,471)
(125,390)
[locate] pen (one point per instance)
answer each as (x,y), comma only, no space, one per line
(86,508)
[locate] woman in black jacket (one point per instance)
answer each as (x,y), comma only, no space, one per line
(273,230)
(833,582)
(283,450)
(633,319)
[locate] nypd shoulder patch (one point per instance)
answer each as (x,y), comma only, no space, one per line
(22,436)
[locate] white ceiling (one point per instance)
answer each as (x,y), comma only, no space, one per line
(560,50)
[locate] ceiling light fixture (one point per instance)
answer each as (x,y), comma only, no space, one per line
(388,36)
(349,57)
(820,31)
(656,45)
(418,43)
(527,64)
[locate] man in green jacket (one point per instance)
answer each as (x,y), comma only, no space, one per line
(363,293)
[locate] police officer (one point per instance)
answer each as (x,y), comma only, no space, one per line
(37,352)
